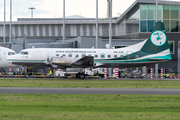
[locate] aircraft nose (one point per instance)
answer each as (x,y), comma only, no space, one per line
(9,59)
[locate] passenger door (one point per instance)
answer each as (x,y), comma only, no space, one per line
(129,57)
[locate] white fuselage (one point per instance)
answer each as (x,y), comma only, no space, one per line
(4,53)
(123,57)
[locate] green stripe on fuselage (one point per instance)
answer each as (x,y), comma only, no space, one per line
(30,61)
(150,59)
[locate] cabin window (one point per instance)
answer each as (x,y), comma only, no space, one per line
(102,55)
(109,56)
(76,55)
(63,55)
(70,55)
(24,53)
(122,56)
(89,55)
(83,55)
(115,56)
(96,56)
(57,54)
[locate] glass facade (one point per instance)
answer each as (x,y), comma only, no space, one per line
(171,18)
(174,25)
(166,12)
(151,24)
(166,23)
(143,25)
(143,12)
(151,11)
(170,15)
(135,16)
(145,18)
(174,12)
(148,17)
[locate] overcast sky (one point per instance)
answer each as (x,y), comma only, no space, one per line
(54,8)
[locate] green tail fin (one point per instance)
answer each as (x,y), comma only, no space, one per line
(157,42)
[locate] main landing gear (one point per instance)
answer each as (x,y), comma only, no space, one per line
(80,75)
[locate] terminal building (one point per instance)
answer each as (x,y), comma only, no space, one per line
(133,26)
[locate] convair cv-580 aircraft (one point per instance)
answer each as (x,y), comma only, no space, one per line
(153,50)
(4,53)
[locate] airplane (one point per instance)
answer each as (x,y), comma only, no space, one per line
(4,53)
(153,50)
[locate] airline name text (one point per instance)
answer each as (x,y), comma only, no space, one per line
(71,51)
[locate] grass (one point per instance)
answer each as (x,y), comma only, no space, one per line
(88,107)
(75,83)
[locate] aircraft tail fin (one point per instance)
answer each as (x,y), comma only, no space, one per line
(157,42)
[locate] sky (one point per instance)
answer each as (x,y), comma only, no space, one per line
(54,8)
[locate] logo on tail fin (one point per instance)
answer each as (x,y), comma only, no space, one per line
(158,38)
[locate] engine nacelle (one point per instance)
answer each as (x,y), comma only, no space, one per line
(62,61)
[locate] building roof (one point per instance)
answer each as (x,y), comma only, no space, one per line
(135,6)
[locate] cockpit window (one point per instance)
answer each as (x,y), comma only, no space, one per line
(11,53)
(23,53)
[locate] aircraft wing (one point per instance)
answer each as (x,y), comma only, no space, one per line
(85,61)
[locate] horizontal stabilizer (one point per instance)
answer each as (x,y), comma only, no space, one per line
(161,58)
(156,59)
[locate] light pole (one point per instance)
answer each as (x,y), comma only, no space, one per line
(110,31)
(32,8)
(4,21)
(110,25)
(10,26)
(97,28)
(156,10)
(64,20)
(156,65)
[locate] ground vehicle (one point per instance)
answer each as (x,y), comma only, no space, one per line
(123,73)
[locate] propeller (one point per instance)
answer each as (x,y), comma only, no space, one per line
(47,62)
